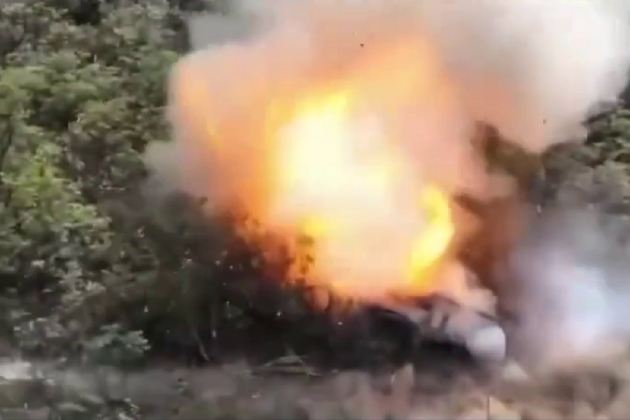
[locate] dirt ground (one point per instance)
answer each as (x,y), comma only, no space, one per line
(434,386)
(437,387)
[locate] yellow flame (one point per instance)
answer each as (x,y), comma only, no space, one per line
(298,153)
(317,155)
(433,242)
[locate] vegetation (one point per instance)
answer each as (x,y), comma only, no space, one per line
(81,95)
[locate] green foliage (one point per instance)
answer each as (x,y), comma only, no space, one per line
(78,104)
(597,172)
(610,138)
(115,346)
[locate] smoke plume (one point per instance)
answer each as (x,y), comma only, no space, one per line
(420,74)
(574,302)
(531,68)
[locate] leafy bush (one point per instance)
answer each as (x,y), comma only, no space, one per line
(78,103)
(595,173)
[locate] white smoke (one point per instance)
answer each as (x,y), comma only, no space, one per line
(532,68)
(574,302)
(556,59)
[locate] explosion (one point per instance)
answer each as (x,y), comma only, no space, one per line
(327,170)
(333,164)
(352,123)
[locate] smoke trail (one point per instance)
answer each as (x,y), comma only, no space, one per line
(574,302)
(425,72)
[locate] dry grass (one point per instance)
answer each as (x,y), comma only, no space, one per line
(290,389)
(403,394)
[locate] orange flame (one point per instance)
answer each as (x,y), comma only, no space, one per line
(328,163)
(317,151)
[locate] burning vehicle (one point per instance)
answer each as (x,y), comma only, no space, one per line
(395,146)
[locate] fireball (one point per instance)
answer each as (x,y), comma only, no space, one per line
(326,162)
(331,154)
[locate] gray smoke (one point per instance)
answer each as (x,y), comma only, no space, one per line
(574,282)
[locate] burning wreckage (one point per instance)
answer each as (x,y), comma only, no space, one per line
(357,125)
(475,316)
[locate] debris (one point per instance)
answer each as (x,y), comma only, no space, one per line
(444,320)
(487,342)
(514,373)
(474,414)
(287,365)
(498,410)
